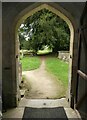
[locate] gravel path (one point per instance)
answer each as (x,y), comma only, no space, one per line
(42,84)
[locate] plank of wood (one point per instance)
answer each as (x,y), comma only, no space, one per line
(83,75)
(81,100)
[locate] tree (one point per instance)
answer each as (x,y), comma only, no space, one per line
(44,28)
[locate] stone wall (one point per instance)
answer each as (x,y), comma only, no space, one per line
(63,55)
(11,14)
(20,73)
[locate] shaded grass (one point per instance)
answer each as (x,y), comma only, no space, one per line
(30,63)
(58,68)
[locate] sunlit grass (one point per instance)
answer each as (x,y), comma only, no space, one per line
(30,63)
(58,68)
(44,52)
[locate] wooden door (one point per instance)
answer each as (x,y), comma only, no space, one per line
(81,90)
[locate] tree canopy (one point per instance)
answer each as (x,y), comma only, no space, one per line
(44,28)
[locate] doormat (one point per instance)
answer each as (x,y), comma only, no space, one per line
(58,112)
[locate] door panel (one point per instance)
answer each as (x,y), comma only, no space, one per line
(81,96)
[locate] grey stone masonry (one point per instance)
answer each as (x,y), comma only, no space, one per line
(63,55)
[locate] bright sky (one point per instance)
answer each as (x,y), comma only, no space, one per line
(22,25)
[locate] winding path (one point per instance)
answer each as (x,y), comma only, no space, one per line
(42,84)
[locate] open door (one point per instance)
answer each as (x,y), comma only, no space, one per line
(81,90)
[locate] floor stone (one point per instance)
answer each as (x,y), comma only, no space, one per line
(41,103)
(14,113)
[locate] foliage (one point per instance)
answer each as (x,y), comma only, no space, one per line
(44,28)
(30,63)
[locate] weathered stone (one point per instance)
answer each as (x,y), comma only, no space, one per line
(64,55)
(13,15)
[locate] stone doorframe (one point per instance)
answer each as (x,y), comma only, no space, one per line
(62,13)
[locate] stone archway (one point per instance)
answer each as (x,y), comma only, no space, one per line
(13,14)
(61,13)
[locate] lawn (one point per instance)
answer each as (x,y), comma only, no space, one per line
(30,63)
(44,52)
(58,68)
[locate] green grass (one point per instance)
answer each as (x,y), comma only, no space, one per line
(30,63)
(43,52)
(58,68)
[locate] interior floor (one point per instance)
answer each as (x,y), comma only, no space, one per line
(41,103)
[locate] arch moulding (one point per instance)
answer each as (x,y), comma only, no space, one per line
(56,9)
